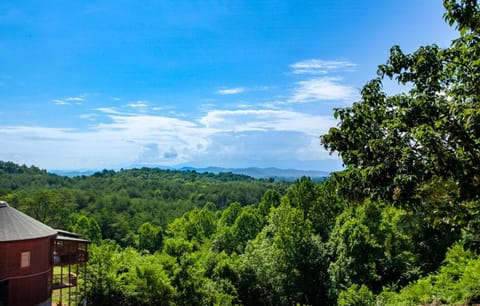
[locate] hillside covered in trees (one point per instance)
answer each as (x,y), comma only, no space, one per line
(399,226)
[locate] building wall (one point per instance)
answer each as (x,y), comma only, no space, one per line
(29,291)
(29,285)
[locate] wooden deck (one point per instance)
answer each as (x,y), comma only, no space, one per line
(64,281)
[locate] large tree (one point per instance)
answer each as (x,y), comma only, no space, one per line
(420,148)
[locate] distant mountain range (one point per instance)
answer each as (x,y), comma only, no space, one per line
(265,173)
(258,173)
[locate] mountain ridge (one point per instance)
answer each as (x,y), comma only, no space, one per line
(266,173)
(255,172)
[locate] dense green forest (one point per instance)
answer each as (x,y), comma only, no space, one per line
(399,226)
(157,238)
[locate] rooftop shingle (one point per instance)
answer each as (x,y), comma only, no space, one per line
(15,225)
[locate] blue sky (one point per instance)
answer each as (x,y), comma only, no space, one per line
(111,84)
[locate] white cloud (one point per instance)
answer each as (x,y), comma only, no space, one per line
(69,100)
(138,104)
(36,132)
(231,91)
(88,116)
(140,132)
(124,141)
(316,66)
(108,110)
(252,146)
(267,120)
(60,102)
(77,99)
(325,88)
(239,90)
(283,149)
(219,137)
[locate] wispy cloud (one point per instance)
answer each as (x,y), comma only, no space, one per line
(109,110)
(138,104)
(76,99)
(88,116)
(60,102)
(121,142)
(231,91)
(265,120)
(37,132)
(316,66)
(140,132)
(321,89)
(254,135)
(219,136)
(69,101)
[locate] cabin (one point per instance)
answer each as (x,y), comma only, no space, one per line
(30,252)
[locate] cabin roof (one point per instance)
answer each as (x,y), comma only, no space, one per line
(15,225)
(67,238)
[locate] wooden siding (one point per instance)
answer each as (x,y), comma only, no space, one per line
(29,285)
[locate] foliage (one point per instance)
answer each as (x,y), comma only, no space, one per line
(124,277)
(356,295)
(285,260)
(456,283)
(370,247)
(87,227)
(395,146)
(196,225)
(150,237)
(320,203)
(121,201)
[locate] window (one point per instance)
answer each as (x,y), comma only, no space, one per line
(25,260)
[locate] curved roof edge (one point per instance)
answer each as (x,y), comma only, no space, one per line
(15,225)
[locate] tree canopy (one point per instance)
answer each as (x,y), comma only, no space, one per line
(419,148)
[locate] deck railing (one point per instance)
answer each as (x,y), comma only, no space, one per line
(64,281)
